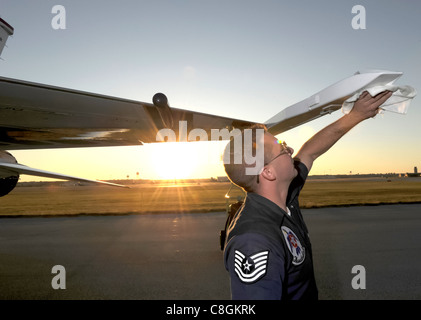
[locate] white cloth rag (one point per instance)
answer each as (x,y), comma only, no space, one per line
(398,102)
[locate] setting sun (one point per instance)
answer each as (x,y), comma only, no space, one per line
(174,160)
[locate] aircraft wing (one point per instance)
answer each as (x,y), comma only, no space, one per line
(6,30)
(328,100)
(37,116)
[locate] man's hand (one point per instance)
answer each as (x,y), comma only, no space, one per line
(367,106)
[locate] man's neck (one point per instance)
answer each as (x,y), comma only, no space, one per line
(277,195)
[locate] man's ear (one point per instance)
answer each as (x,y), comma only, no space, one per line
(268,174)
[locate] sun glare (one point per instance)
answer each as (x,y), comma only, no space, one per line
(175,160)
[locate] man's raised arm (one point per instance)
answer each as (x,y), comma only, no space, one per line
(365,107)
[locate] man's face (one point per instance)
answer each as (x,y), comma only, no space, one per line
(280,159)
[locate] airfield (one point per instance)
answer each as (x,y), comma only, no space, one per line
(62,198)
(116,253)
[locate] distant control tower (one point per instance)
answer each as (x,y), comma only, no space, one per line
(6,30)
(413,174)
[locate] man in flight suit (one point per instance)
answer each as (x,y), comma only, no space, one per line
(268,251)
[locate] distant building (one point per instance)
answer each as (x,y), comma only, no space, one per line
(413,174)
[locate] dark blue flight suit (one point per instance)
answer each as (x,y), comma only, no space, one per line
(268,253)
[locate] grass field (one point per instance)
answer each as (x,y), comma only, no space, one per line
(62,199)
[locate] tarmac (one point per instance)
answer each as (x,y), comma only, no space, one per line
(177,256)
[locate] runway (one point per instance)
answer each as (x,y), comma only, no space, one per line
(177,256)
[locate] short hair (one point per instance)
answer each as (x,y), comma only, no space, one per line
(237,170)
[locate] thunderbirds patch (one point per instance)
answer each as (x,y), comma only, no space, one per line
(253,268)
(294,246)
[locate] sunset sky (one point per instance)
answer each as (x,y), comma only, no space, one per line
(237,58)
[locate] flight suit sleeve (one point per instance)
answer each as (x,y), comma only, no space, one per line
(256,268)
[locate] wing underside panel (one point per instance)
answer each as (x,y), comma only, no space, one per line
(35,116)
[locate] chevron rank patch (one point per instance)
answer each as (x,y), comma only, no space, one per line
(251,269)
(294,246)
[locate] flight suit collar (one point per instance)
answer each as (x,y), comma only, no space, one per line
(267,207)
